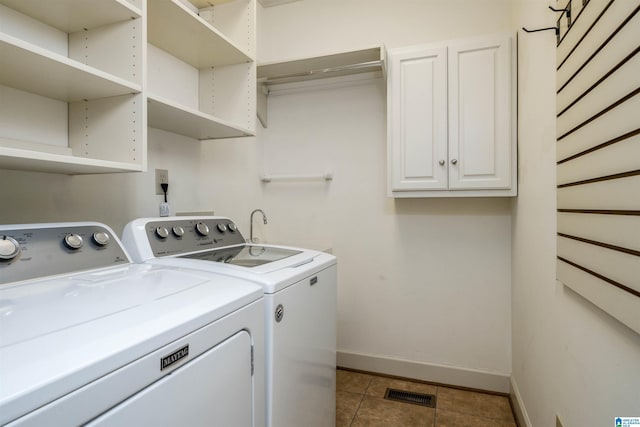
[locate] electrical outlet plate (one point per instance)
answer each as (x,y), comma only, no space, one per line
(162,177)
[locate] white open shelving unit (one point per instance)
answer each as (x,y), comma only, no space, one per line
(298,71)
(71,84)
(81,79)
(209,47)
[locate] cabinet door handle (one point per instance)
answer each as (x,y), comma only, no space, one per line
(454,161)
(441,162)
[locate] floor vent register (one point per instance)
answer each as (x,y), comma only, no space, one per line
(411,397)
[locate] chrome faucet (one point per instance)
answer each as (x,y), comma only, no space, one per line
(264,219)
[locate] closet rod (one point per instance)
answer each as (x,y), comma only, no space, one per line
(369,64)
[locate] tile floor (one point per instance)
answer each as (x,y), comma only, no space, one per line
(360,402)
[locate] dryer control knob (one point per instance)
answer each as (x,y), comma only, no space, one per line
(101,238)
(9,248)
(178,231)
(73,241)
(162,232)
(221,227)
(202,229)
(232,227)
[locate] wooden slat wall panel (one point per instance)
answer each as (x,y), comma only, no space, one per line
(618,194)
(598,152)
(613,124)
(618,266)
(596,69)
(619,84)
(618,230)
(605,28)
(587,17)
(611,299)
(615,158)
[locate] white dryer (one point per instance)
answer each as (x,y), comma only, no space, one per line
(300,305)
(89,338)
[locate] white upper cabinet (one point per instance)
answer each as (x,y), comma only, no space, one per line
(418,118)
(479,114)
(450,131)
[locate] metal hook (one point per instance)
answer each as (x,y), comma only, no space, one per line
(566,10)
(556,29)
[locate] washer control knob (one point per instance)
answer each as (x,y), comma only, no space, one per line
(73,241)
(232,227)
(178,231)
(101,238)
(202,229)
(162,232)
(221,227)
(9,248)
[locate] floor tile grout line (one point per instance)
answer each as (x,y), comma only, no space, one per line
(355,415)
(435,408)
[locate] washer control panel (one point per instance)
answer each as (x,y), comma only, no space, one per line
(179,236)
(38,250)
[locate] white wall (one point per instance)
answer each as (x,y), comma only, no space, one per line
(317,27)
(422,281)
(114,199)
(569,357)
(230,179)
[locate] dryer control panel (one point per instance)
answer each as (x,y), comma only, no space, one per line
(40,250)
(178,236)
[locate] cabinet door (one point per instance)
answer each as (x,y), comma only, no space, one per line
(417,118)
(479,112)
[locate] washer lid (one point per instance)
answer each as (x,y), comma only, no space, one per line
(273,276)
(61,333)
(249,256)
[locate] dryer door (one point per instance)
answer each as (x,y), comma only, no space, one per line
(213,389)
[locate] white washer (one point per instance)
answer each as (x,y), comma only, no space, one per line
(89,338)
(300,305)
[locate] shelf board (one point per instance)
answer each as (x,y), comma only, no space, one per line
(201,4)
(166,115)
(178,31)
(33,69)
(75,15)
(335,65)
(18,159)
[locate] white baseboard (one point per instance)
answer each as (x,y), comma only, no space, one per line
(452,375)
(518,405)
